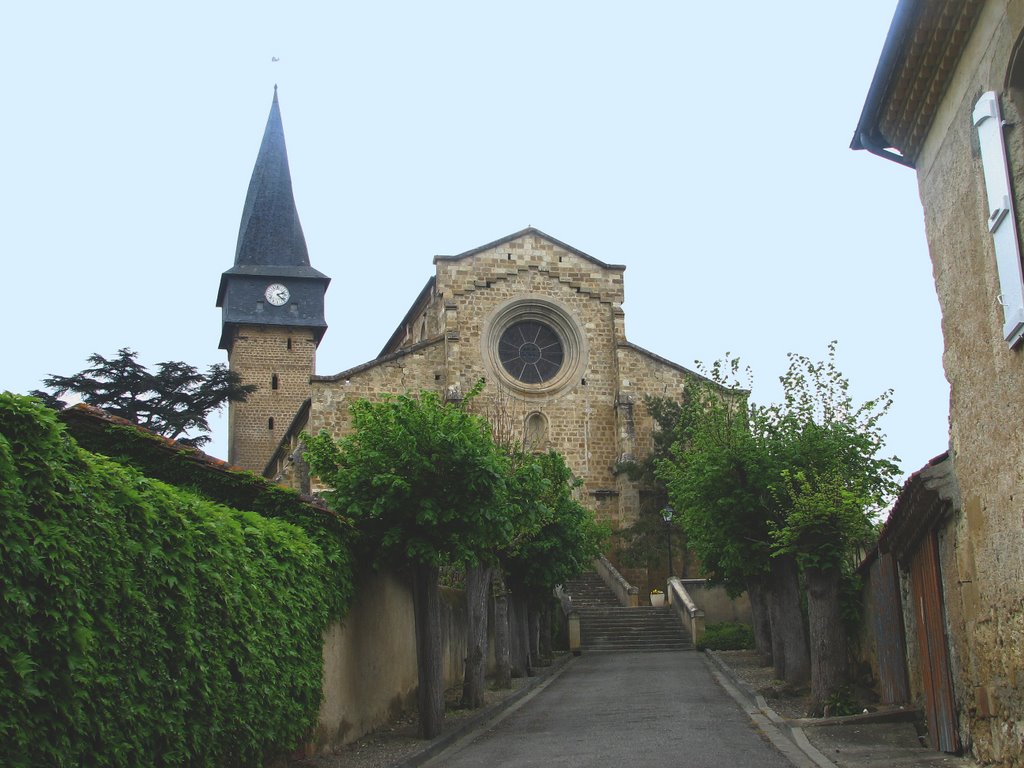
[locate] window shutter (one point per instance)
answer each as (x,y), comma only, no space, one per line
(1002,222)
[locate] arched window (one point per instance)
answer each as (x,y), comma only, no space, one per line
(273,381)
(270,423)
(535,437)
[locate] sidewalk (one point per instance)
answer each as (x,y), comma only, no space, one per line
(398,746)
(858,741)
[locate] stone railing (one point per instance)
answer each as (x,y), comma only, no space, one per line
(689,614)
(572,619)
(626,593)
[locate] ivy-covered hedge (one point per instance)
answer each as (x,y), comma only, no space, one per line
(141,624)
(187,467)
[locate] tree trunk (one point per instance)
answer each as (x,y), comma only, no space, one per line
(478,583)
(762,620)
(545,630)
(828,638)
(534,626)
(430,692)
(792,664)
(520,633)
(517,656)
(502,656)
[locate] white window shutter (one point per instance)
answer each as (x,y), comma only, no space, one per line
(1002,222)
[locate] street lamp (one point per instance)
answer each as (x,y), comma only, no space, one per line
(666,515)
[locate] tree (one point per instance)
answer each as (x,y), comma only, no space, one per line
(522,500)
(780,487)
(561,546)
(834,486)
(719,478)
(423,480)
(172,402)
(567,539)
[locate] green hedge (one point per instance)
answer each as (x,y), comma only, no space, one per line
(727,636)
(179,466)
(141,624)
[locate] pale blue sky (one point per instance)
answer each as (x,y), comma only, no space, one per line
(704,145)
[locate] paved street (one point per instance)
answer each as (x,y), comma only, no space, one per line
(622,709)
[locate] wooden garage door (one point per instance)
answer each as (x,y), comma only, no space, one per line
(931,637)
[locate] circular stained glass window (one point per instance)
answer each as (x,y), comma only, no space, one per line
(530,351)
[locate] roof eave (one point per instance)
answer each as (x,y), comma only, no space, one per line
(868,134)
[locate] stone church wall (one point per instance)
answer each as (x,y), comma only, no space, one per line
(412,370)
(594,416)
(580,416)
(278,360)
(483,268)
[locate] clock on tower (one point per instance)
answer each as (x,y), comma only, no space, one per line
(272,303)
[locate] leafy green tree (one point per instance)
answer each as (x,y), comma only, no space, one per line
(424,483)
(174,401)
(561,542)
(567,539)
(523,503)
(768,489)
(835,484)
(720,478)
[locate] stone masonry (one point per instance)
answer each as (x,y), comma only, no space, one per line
(592,411)
(279,361)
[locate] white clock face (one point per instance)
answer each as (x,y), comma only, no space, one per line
(277,294)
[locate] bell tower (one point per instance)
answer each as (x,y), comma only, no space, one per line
(272,304)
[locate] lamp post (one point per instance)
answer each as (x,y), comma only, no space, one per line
(666,515)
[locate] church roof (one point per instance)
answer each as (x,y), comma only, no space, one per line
(270,234)
(522,233)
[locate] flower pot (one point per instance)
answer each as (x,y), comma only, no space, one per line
(657,600)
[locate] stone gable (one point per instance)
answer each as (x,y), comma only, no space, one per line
(590,410)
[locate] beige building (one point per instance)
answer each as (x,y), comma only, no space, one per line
(539,320)
(948,101)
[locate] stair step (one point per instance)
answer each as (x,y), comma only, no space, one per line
(606,625)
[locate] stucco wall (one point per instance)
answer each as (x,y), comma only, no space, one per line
(718,607)
(982,552)
(370,659)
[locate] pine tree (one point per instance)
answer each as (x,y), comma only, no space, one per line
(174,401)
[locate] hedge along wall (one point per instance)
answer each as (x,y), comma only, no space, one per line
(141,624)
(186,467)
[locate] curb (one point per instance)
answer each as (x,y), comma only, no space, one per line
(768,719)
(486,715)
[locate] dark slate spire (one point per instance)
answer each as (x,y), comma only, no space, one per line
(271,251)
(270,232)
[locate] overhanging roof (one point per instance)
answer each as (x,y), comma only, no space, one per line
(924,44)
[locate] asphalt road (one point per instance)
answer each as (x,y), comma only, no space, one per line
(622,709)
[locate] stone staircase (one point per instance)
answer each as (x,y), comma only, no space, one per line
(607,626)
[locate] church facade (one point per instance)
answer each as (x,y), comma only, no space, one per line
(539,320)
